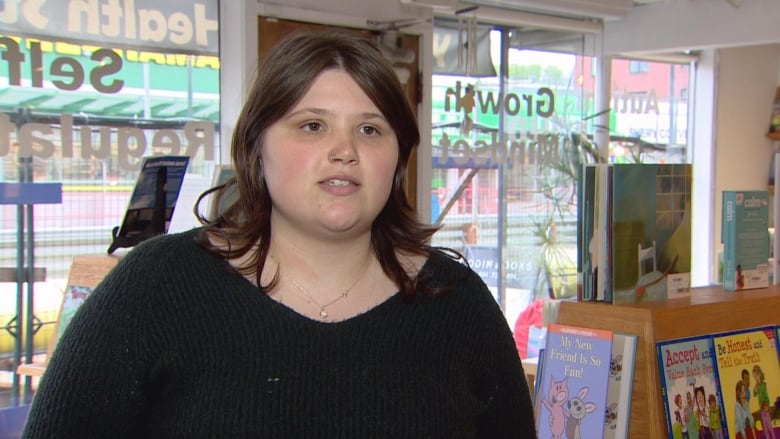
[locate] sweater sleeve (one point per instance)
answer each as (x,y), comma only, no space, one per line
(94,386)
(502,382)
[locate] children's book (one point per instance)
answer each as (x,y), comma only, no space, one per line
(749,371)
(593,211)
(585,217)
(651,232)
(690,388)
(774,118)
(73,298)
(537,400)
(745,237)
(574,381)
(603,233)
(635,237)
(621,378)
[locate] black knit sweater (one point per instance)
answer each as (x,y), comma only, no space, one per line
(174,345)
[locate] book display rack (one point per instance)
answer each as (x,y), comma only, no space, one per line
(707,310)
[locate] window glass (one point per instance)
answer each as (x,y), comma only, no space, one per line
(507,151)
(649,121)
(80,105)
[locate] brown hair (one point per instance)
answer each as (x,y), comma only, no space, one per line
(283,79)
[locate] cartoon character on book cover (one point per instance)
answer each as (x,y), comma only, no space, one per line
(749,370)
(73,298)
(692,398)
(621,373)
(573,386)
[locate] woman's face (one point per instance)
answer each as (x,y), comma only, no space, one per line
(329,162)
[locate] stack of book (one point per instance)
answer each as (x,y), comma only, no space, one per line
(634,232)
(584,381)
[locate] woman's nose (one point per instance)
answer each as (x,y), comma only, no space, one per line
(344,151)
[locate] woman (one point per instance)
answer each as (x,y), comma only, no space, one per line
(310,307)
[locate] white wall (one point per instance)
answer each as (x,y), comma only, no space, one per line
(747,79)
(341,12)
(694,24)
(238,57)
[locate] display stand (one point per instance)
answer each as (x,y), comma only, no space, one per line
(25,195)
(708,310)
(85,271)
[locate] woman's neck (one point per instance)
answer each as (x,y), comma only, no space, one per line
(327,262)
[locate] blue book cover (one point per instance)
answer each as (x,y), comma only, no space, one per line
(690,388)
(537,400)
(748,368)
(745,236)
(573,383)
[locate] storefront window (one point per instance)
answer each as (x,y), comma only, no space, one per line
(650,112)
(507,149)
(82,100)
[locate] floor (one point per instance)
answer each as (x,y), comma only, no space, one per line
(13,409)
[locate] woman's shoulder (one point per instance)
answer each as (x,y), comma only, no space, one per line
(448,263)
(162,246)
(160,255)
(166,263)
(449,272)
(179,239)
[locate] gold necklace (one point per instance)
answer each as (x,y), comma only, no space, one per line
(322,306)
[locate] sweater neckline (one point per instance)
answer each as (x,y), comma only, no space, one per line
(291,313)
(369,313)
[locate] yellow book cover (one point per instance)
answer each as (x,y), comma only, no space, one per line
(749,369)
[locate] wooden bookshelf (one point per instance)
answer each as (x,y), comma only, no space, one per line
(708,310)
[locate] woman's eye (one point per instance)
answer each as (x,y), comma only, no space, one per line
(369,130)
(312,126)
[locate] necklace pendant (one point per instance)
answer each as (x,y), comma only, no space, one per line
(323,314)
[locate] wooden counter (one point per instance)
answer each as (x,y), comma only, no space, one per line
(708,310)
